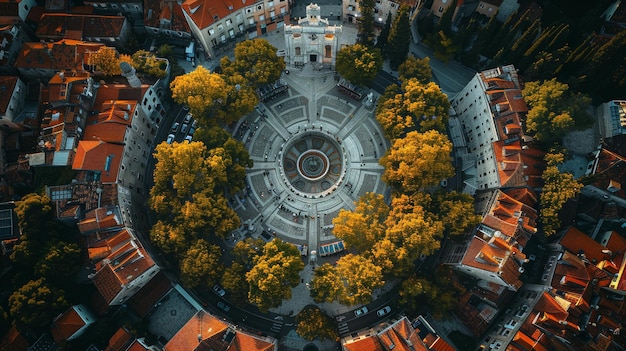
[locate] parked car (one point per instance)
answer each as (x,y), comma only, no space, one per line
(223,306)
(170,138)
(184,128)
(185,108)
(188,138)
(175,127)
(193,123)
(383,311)
(188,118)
(361,311)
(219,290)
(192,130)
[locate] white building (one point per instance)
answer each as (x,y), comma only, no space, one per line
(612,118)
(218,23)
(312,40)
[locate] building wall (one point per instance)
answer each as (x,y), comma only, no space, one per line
(132,8)
(16,102)
(487,9)
(472,107)
(612,118)
(507,8)
(86,315)
(131,288)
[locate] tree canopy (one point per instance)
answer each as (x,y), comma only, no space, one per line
(36,303)
(199,89)
(201,265)
(399,38)
(359,63)
(314,323)
(362,228)
(256,61)
(274,274)
(417,107)
(554,110)
(359,278)
(418,161)
(558,188)
(417,68)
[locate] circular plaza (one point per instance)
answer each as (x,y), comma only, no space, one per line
(315,152)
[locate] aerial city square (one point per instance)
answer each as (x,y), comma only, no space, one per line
(356,175)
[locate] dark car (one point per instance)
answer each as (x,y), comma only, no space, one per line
(218,290)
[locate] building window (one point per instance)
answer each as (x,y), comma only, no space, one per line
(231,33)
(298,51)
(328,51)
(211,31)
(440,8)
(229,22)
(262,18)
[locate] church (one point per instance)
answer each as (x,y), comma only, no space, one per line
(312,40)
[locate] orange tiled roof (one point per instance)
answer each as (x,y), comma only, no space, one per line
(203,324)
(66,325)
(62,55)
(127,260)
(144,299)
(247,342)
(365,344)
(99,156)
(207,12)
(576,241)
(120,340)
(78,26)
(14,340)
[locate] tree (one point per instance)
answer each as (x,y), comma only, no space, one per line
(411,232)
(382,43)
(437,293)
(456,212)
(443,46)
(36,303)
(418,107)
(553,109)
(417,68)
(106,60)
(240,99)
(558,188)
(418,161)
(273,274)
(362,228)
(234,280)
(366,22)
(256,61)
(34,212)
(399,38)
(200,90)
(325,285)
(245,252)
(359,63)
(146,62)
(360,277)
(314,323)
(201,265)
(445,22)
(60,261)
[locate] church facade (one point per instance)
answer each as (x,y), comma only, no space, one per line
(312,40)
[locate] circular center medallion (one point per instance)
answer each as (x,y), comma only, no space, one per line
(312,163)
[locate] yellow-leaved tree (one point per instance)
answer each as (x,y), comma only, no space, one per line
(199,89)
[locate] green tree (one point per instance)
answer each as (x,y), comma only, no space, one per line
(445,22)
(325,285)
(418,161)
(359,63)
(34,212)
(273,274)
(444,46)
(245,252)
(201,265)
(399,38)
(554,110)
(170,238)
(417,68)
(558,188)
(366,22)
(362,228)
(36,303)
(240,99)
(418,107)
(60,261)
(436,294)
(199,89)
(256,61)
(360,277)
(382,43)
(314,323)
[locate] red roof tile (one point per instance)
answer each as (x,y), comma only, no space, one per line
(7,85)
(14,340)
(62,55)
(66,325)
(78,26)
(203,324)
(144,300)
(120,340)
(206,12)
(99,156)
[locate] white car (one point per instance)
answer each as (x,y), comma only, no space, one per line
(175,127)
(188,138)
(170,138)
(184,128)
(218,290)
(361,311)
(383,311)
